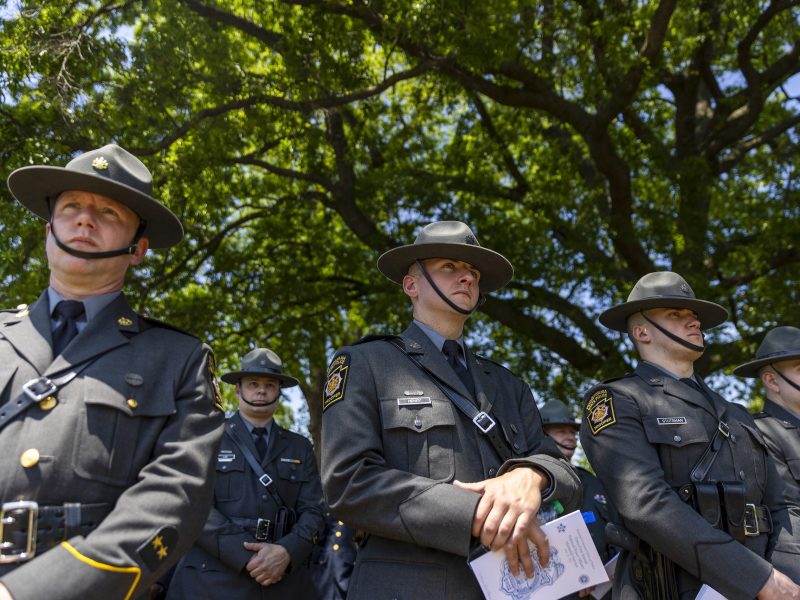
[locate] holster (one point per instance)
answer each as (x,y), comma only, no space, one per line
(732,497)
(285,519)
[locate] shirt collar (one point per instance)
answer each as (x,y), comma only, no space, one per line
(437,338)
(670,373)
(93,305)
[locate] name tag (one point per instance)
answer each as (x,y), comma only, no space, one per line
(226,456)
(671,420)
(294,461)
(414,401)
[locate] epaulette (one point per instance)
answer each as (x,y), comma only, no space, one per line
(494,362)
(146,322)
(375,337)
(612,379)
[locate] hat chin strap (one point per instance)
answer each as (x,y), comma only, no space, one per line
(786,379)
(672,336)
(450,303)
(246,401)
(130,249)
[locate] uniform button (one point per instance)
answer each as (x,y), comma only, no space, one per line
(418,423)
(292,477)
(340,522)
(263,496)
(224,467)
(29,458)
(132,403)
(677,438)
(335,547)
(492,472)
(741,475)
(48,403)
(733,438)
(516,446)
(338,534)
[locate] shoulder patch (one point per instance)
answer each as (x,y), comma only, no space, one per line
(337,380)
(159,547)
(600,410)
(211,374)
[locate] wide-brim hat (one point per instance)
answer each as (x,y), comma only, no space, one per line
(448,239)
(555,412)
(111,171)
(663,289)
(261,362)
(780,343)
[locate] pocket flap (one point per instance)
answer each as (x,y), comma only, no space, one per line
(417,417)
(659,431)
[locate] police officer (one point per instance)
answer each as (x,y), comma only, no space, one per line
(687,471)
(777,364)
(267,509)
(427,447)
(108,421)
(562,428)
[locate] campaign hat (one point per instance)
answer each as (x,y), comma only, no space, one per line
(555,412)
(453,240)
(662,289)
(780,343)
(261,362)
(111,171)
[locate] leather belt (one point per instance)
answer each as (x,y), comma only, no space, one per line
(262,529)
(27,528)
(757,520)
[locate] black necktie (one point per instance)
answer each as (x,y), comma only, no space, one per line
(261,441)
(693,384)
(453,352)
(68,311)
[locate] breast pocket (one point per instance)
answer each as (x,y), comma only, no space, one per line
(679,445)
(420,438)
(229,484)
(116,433)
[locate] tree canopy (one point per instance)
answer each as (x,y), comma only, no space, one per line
(588,141)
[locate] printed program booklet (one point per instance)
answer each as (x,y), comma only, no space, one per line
(574,565)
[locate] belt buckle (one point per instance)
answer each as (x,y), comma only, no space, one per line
(483,422)
(263,530)
(12,519)
(751,528)
(40,388)
(724,429)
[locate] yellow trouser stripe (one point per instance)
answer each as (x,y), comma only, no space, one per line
(98,565)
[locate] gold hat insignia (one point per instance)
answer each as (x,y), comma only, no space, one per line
(124,321)
(100,163)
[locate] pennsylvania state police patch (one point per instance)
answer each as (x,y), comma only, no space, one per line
(337,380)
(600,411)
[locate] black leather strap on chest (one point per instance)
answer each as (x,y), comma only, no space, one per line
(483,421)
(264,479)
(36,390)
(703,466)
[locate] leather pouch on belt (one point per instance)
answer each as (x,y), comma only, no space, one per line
(732,498)
(706,502)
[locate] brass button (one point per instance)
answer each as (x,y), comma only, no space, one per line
(48,403)
(29,458)
(132,403)
(335,547)
(341,522)
(338,534)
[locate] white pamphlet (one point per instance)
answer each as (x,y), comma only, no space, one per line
(574,565)
(708,593)
(603,588)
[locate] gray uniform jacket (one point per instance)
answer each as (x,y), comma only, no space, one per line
(643,434)
(781,431)
(135,432)
(215,565)
(392,444)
